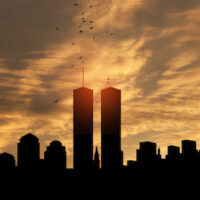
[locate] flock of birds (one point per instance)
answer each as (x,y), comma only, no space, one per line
(81,31)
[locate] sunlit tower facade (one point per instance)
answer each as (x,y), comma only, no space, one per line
(83,128)
(111,154)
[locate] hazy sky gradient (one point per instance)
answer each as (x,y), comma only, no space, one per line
(148,48)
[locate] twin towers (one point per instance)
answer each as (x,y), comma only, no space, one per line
(111,154)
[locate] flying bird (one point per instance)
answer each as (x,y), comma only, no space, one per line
(57,28)
(108,81)
(56,101)
(76,4)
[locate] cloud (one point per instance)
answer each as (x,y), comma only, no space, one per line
(148,49)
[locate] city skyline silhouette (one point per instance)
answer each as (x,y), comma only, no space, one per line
(55,156)
(147,50)
(99,98)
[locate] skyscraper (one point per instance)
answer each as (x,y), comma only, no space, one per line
(28,151)
(83,128)
(111,128)
(55,156)
(189,151)
(173,153)
(188,147)
(7,161)
(147,152)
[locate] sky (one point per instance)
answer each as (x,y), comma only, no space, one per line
(147,49)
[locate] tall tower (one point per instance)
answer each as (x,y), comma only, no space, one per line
(55,156)
(28,151)
(111,154)
(83,128)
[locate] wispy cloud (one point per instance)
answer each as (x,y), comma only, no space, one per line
(148,49)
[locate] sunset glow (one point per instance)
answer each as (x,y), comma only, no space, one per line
(147,49)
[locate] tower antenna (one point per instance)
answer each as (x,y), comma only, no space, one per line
(83,77)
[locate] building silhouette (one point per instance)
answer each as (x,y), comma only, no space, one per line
(188,148)
(121,158)
(28,151)
(189,155)
(131,163)
(83,128)
(96,159)
(111,154)
(55,156)
(173,153)
(159,154)
(147,153)
(7,161)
